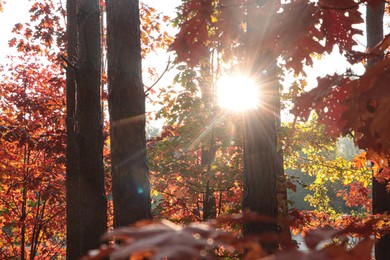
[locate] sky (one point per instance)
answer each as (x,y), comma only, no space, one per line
(165,6)
(14,12)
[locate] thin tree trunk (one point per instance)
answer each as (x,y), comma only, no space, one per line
(208,149)
(86,199)
(279,164)
(26,159)
(130,180)
(23,229)
(380,195)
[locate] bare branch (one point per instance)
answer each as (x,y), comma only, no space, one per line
(159,78)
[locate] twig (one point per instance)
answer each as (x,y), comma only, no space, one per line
(159,78)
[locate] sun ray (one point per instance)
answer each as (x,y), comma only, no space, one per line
(207,129)
(238,93)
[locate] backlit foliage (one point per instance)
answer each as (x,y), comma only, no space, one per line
(181,173)
(196,162)
(33,164)
(2,2)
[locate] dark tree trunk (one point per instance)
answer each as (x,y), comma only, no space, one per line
(89,125)
(260,169)
(380,196)
(130,180)
(86,200)
(262,162)
(73,249)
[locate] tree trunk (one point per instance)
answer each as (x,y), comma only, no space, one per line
(208,149)
(261,163)
(130,180)
(380,196)
(86,199)
(73,250)
(374,27)
(260,169)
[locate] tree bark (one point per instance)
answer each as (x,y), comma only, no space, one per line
(130,180)
(261,159)
(86,199)
(380,195)
(73,250)
(374,26)
(260,170)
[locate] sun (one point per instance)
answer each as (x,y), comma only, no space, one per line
(237,93)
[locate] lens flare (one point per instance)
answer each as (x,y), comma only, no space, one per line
(237,93)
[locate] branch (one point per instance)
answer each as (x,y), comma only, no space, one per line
(68,63)
(159,78)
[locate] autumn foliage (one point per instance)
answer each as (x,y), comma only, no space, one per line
(196,161)
(32,131)
(32,151)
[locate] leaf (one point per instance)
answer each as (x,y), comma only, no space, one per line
(367,110)
(359,161)
(190,42)
(327,99)
(380,125)
(331,110)
(165,239)
(335,4)
(365,230)
(314,237)
(337,26)
(363,250)
(294,34)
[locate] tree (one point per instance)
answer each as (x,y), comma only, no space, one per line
(261,166)
(73,247)
(87,211)
(32,135)
(32,111)
(310,151)
(34,219)
(380,193)
(126,98)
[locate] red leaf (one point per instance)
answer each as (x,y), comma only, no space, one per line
(294,34)
(338,29)
(362,251)
(190,42)
(314,237)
